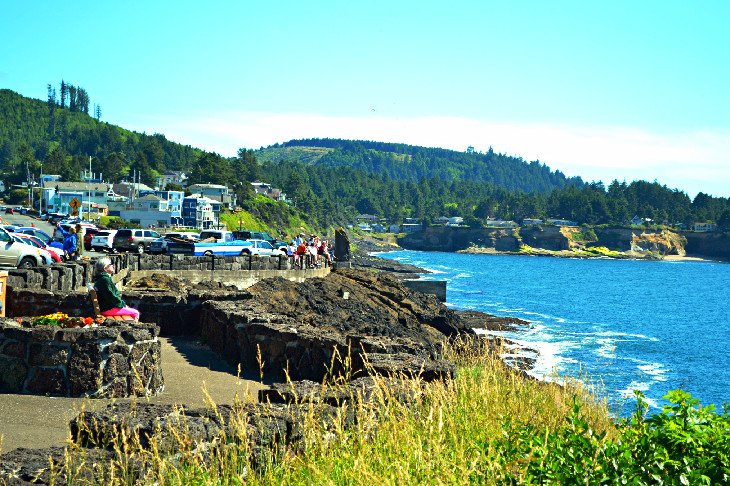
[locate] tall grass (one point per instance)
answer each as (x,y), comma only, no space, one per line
(445,435)
(414,433)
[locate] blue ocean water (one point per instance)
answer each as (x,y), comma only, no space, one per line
(624,325)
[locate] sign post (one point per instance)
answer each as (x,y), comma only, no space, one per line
(74,203)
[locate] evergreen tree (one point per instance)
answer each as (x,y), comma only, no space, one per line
(64,93)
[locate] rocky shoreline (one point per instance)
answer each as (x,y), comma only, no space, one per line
(361,323)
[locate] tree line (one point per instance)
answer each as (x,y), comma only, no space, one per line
(332,185)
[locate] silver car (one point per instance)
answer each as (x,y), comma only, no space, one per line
(18,255)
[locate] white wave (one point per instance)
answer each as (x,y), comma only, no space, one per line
(462,275)
(607,348)
(641,386)
(625,334)
(655,370)
(544,316)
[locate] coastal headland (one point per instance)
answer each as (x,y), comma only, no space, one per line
(571,242)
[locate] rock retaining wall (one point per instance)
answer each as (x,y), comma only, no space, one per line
(113,360)
(75,276)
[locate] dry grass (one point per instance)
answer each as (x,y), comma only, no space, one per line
(443,433)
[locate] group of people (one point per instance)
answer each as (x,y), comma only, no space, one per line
(309,251)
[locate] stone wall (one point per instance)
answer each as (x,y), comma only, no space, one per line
(116,359)
(75,276)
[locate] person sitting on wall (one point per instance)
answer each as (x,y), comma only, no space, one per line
(108,295)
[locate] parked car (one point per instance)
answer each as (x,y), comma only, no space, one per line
(160,244)
(55,218)
(131,239)
(17,255)
(261,247)
(48,257)
(102,241)
(30,230)
(9,210)
(56,253)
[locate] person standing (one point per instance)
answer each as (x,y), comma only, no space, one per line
(70,241)
(79,241)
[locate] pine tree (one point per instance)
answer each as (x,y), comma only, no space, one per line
(72,98)
(51,112)
(64,93)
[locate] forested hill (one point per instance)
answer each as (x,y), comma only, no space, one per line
(63,136)
(411,163)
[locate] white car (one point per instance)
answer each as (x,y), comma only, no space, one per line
(102,241)
(18,255)
(261,247)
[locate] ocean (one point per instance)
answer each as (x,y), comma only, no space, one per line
(622,325)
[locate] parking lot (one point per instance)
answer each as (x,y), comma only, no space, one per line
(24,220)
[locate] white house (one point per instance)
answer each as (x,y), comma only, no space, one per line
(531,222)
(704,227)
(500,223)
(216,192)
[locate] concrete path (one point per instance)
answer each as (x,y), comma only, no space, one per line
(32,421)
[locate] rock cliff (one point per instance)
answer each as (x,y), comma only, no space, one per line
(713,245)
(630,242)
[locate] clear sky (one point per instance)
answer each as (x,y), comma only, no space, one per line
(601,89)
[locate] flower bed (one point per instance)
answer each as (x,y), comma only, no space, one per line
(60,319)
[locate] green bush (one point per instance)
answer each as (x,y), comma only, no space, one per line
(684,444)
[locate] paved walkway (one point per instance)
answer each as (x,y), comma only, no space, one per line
(33,421)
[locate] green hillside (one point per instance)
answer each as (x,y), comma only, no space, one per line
(410,163)
(34,132)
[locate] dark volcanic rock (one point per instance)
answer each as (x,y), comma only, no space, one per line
(342,245)
(311,326)
(480,320)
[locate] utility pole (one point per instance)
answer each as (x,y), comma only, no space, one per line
(40,195)
(88,199)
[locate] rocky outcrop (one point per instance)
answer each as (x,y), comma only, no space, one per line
(350,322)
(635,242)
(638,241)
(545,237)
(712,245)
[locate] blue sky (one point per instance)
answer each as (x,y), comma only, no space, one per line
(605,90)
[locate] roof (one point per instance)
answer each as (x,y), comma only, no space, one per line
(80,186)
(207,186)
(149,197)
